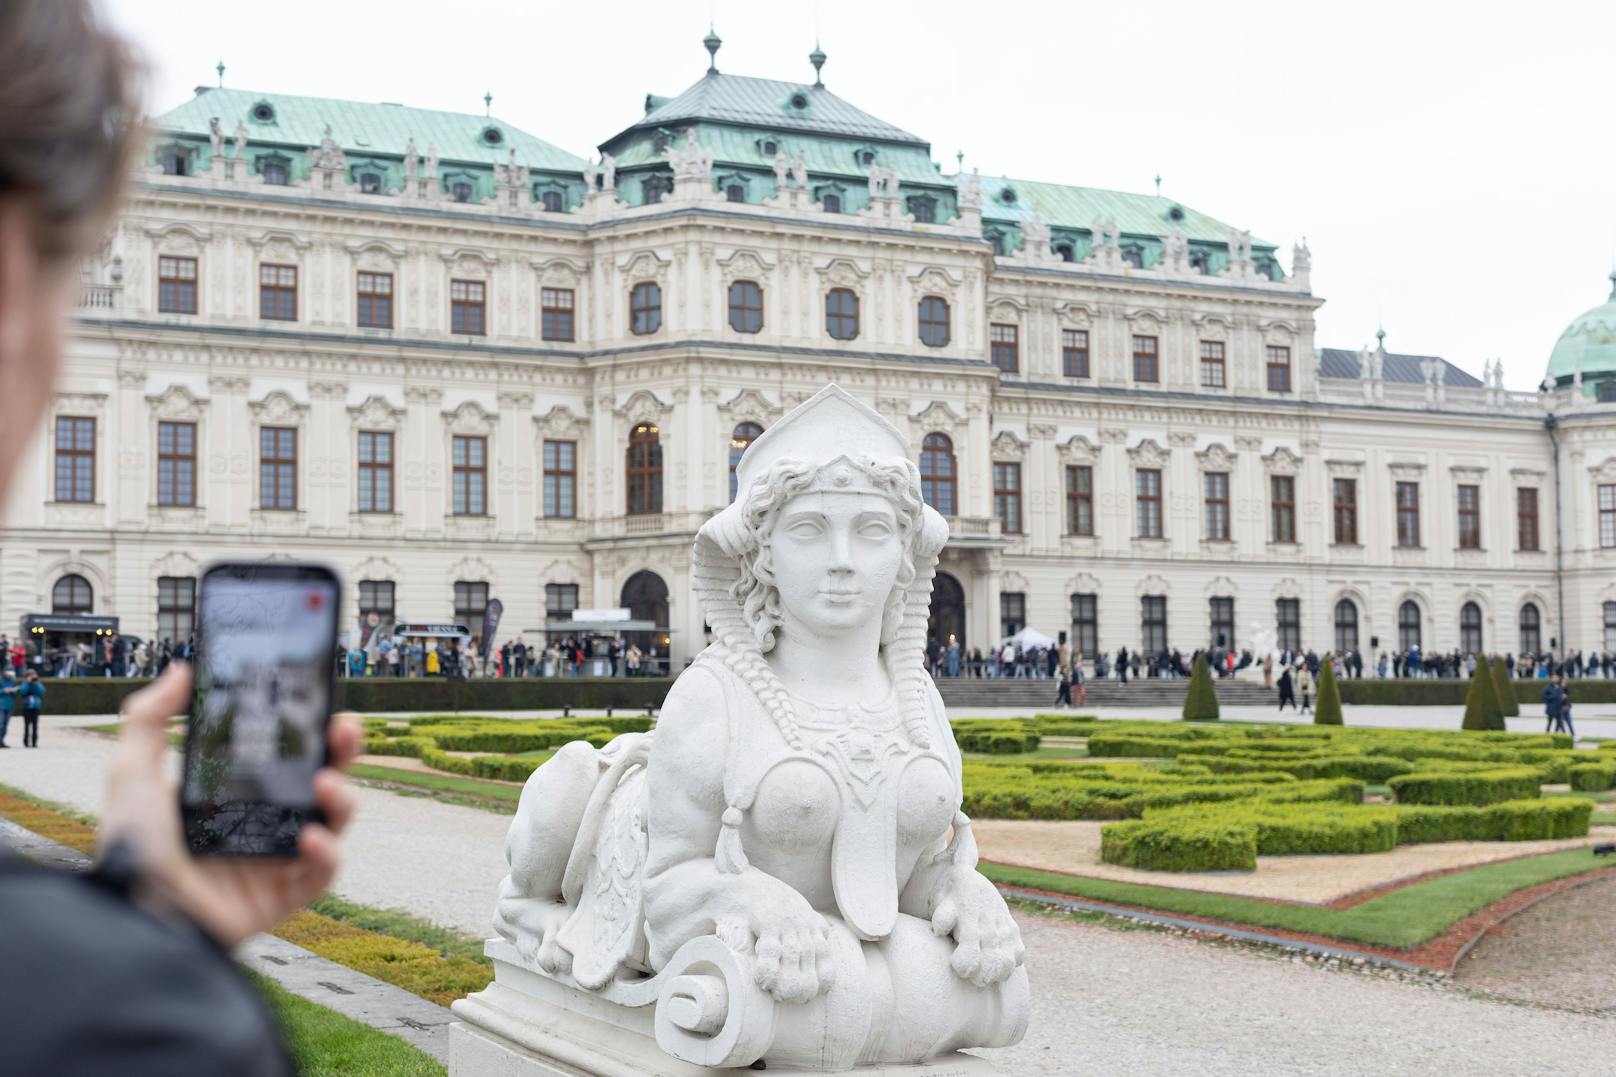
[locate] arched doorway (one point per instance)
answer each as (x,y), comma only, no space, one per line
(947,611)
(646,596)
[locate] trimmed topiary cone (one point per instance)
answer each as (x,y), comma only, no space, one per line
(1328,712)
(1507,703)
(1481,705)
(1201,701)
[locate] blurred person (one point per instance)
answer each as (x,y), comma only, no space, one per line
(125,970)
(30,700)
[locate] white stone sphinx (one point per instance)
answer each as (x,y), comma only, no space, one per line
(779,870)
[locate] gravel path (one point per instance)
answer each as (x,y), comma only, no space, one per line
(1105,1001)
(1557,953)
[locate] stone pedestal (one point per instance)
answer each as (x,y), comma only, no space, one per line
(530,1024)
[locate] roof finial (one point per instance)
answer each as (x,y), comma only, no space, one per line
(959,160)
(712,41)
(1380,338)
(488,102)
(817,58)
(1158,185)
(1613,284)
(220,70)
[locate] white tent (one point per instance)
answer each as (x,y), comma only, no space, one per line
(1029,638)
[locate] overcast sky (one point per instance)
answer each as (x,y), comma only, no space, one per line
(1453,166)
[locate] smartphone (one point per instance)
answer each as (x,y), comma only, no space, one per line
(263,690)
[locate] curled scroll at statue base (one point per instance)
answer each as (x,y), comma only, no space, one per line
(780,869)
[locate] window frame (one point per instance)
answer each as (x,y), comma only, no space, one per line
(462,307)
(1211,362)
(1012,612)
(177,605)
(172,287)
(1406,500)
(468,496)
(1282,510)
(558,314)
(1605,504)
(277,472)
(1530,629)
(1153,623)
(81,470)
(466,594)
(934,330)
(1080,500)
(560,483)
(1221,620)
(1215,506)
(1288,624)
(1466,627)
(555,597)
(744,304)
(1146,358)
(367,604)
(1410,628)
(937,446)
(1147,503)
(643,470)
(1282,364)
(1007,496)
(842,295)
(373,295)
(1004,346)
(1085,616)
(277,299)
(374,475)
(1344,512)
(1347,619)
(645,308)
(1528,536)
(1075,353)
(740,439)
(172,462)
(1469,515)
(73,580)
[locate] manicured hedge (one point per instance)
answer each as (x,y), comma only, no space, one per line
(994,736)
(372,694)
(1592,777)
(1376,770)
(1513,820)
(1193,846)
(1482,787)
(499,767)
(409,746)
(1450,691)
(1300,829)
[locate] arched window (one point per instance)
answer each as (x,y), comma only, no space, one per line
(831,203)
(645,596)
(551,201)
(72,594)
(745,307)
(370,183)
(1408,626)
(841,314)
(1346,625)
(645,307)
(739,440)
(934,321)
(938,473)
(1066,251)
(1531,629)
(1470,628)
(946,618)
(644,470)
(735,192)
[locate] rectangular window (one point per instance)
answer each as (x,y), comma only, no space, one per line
(75,459)
(277,467)
(1085,626)
(1080,500)
(1007,497)
(468,307)
(1147,487)
(375,471)
(470,460)
(176,464)
(1289,616)
(1153,623)
(470,600)
(375,292)
(376,596)
(1607,516)
(1469,517)
(1610,627)
(557,307)
(277,293)
(1279,369)
(560,599)
(1213,372)
(1075,353)
(1217,506)
(1408,514)
(176,608)
(1006,347)
(176,285)
(560,479)
(1344,496)
(1222,610)
(1012,613)
(1146,360)
(1282,507)
(1526,533)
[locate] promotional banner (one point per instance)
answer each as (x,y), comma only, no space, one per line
(491,615)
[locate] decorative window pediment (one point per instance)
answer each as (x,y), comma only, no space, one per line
(471,418)
(1151,585)
(1282,462)
(749,405)
(176,404)
(1148,454)
(842,273)
(937,416)
(642,406)
(1147,318)
(560,421)
(644,265)
(279,409)
(467,261)
(1077,315)
(1006,309)
(744,264)
(377,413)
(1007,446)
(1078,450)
(1215,458)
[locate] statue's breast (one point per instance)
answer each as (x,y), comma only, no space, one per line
(796,807)
(925,800)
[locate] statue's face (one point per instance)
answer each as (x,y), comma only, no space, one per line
(836,556)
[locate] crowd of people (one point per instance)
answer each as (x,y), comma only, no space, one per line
(569,656)
(101,656)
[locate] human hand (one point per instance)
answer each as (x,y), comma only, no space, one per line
(792,949)
(988,943)
(232,898)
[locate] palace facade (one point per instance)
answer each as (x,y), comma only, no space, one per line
(459,363)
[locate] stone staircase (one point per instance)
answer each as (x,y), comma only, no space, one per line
(964,693)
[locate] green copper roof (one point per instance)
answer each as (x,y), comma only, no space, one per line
(770,104)
(361,128)
(825,157)
(1588,343)
(1062,206)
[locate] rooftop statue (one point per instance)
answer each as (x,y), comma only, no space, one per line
(786,847)
(412,159)
(241,140)
(216,136)
(690,161)
(970,190)
(799,171)
(431,161)
(782,165)
(608,172)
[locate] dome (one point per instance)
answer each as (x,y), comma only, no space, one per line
(1588,343)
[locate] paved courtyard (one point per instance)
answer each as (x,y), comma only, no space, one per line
(1106,1000)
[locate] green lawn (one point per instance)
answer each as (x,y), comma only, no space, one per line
(1400,919)
(504,795)
(323,1043)
(401,925)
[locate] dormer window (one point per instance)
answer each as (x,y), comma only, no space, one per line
(370,183)
(1200,261)
(652,188)
(799,101)
(1133,255)
(997,239)
(262,112)
(274,171)
(1605,392)
(830,203)
(1008,196)
(1175,214)
(923,208)
(551,201)
(492,136)
(659,143)
(770,147)
(1067,252)
(735,192)
(460,190)
(175,163)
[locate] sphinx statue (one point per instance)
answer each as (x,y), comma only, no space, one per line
(779,871)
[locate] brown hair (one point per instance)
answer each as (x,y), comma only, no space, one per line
(68,121)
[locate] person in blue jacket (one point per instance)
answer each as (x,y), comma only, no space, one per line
(30,697)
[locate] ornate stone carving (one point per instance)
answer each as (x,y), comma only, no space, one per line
(175,404)
(1146,454)
(1007,446)
(278,409)
(970,190)
(690,161)
(377,413)
(470,419)
(1215,458)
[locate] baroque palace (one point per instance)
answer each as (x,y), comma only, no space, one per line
(459,363)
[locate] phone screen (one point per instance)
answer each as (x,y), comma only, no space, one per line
(266,641)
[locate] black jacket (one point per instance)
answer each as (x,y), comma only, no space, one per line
(92,984)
